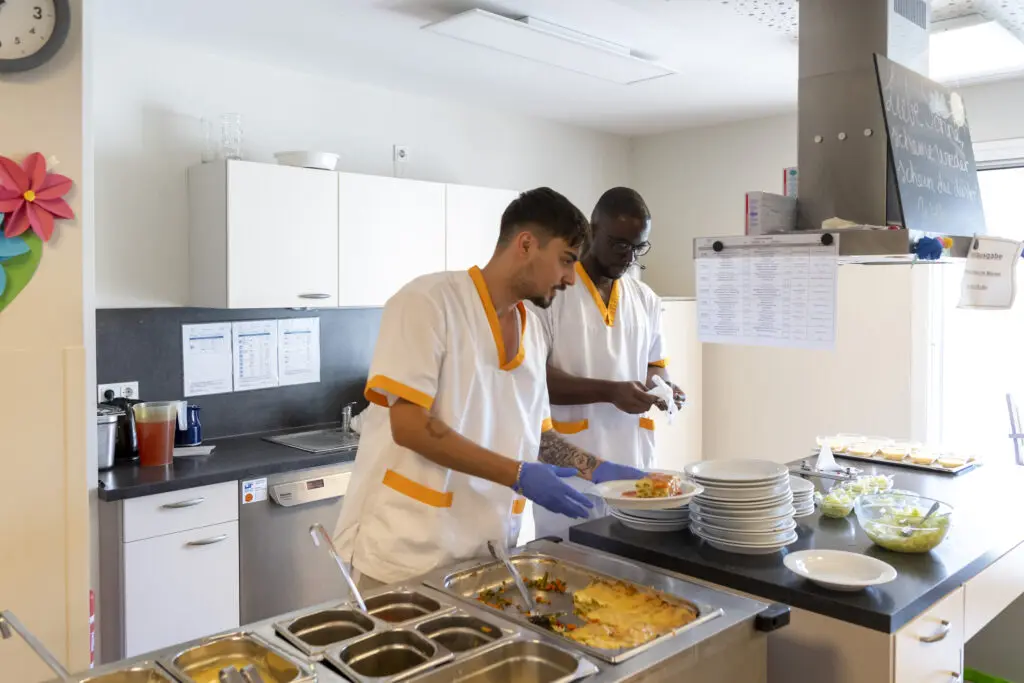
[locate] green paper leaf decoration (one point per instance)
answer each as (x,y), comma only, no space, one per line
(20,269)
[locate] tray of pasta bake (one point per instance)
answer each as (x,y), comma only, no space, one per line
(604,606)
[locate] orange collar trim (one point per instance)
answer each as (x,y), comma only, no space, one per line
(607,312)
(492,318)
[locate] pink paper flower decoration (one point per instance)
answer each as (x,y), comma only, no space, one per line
(32,197)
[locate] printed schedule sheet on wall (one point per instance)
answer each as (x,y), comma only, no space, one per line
(775,290)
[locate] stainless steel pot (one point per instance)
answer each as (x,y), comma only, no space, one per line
(106,434)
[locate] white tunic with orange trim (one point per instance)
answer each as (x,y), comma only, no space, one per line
(440,347)
(617,342)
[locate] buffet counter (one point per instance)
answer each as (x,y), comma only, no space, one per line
(436,629)
(912,629)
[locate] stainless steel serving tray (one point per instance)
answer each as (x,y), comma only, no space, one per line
(198,659)
(936,469)
(139,672)
(577,568)
(514,661)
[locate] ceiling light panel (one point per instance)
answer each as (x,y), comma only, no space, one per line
(547,44)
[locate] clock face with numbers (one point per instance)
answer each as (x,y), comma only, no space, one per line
(31,32)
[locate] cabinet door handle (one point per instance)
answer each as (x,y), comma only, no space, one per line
(183,504)
(314,296)
(208,541)
(938,635)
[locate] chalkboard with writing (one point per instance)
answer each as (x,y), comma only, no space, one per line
(931,153)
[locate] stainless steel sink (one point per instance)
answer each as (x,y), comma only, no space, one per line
(318,440)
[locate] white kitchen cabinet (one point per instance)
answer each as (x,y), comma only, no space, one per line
(391,230)
(930,648)
(473,220)
(180,587)
(262,236)
(169,569)
(680,443)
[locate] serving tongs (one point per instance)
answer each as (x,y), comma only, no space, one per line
(318,532)
(230,674)
(546,619)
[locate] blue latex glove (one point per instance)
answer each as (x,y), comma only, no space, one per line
(609,471)
(542,483)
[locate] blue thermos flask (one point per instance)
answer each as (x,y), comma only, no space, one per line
(192,434)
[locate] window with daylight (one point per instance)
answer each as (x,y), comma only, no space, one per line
(981,353)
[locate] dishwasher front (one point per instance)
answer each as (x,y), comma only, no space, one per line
(280,568)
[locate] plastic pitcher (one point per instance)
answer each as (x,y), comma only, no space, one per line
(155,426)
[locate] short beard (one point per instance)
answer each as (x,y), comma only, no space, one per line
(540,301)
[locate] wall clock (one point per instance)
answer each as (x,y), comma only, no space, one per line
(31,32)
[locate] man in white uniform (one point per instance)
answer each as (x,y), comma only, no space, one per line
(449,448)
(604,334)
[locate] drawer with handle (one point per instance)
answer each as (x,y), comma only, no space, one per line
(168,513)
(930,648)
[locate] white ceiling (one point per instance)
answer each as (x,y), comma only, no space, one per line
(733,61)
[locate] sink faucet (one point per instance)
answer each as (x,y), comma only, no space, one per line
(9,625)
(346,418)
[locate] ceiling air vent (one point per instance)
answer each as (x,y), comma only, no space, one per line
(915,11)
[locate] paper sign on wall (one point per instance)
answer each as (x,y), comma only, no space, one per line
(254,347)
(990,275)
(777,290)
(206,358)
(298,350)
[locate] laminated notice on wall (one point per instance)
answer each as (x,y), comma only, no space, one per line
(777,290)
(990,274)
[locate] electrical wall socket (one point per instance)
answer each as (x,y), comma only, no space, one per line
(401,154)
(120,390)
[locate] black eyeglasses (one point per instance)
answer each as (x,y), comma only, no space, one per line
(622,247)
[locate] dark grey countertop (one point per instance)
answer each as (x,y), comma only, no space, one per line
(239,457)
(985,526)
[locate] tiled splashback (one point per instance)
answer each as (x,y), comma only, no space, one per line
(144,345)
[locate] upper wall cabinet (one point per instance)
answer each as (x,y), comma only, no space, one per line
(262,236)
(391,230)
(473,222)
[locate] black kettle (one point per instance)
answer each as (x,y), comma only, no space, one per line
(126,444)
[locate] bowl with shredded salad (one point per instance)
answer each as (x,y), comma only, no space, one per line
(896,521)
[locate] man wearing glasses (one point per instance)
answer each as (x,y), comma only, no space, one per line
(605,347)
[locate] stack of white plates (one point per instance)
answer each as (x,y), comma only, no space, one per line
(746,506)
(803,496)
(672,519)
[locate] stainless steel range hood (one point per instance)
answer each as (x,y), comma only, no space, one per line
(843,147)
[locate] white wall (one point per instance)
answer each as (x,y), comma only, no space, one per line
(148,132)
(772,402)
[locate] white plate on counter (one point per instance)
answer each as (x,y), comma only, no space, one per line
(746,493)
(744,526)
(649,525)
(783,508)
(840,570)
(741,548)
(758,504)
(736,471)
(613,493)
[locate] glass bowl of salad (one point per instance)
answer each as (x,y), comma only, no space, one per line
(896,521)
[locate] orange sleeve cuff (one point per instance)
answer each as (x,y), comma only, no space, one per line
(663,363)
(379,384)
(546,425)
(571,427)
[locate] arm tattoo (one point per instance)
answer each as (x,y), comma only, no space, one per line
(554,450)
(437,428)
